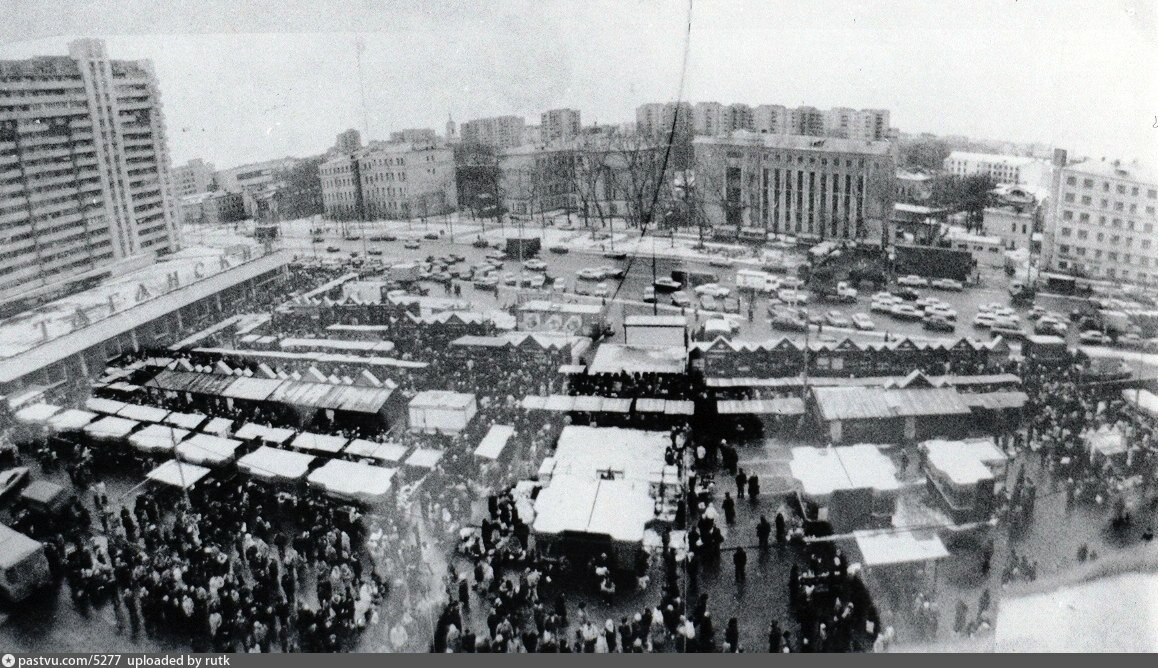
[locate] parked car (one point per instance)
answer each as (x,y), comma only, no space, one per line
(609,271)
(558,250)
(375,251)
(947,284)
(721,262)
(589,274)
(602,290)
(332,249)
(983,320)
(649,294)
(667,285)
(846,293)
(862,322)
(412,244)
(789,296)
(1130,340)
(1014,333)
(913,281)
(680,299)
(908,294)
(709,303)
(480,243)
(789,323)
(905,312)
(836,319)
(1050,327)
(433,236)
(535,265)
(713,289)
(486,282)
(881,306)
(615,255)
(938,324)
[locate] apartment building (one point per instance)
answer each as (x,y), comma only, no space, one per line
(770,119)
(390,180)
(807,121)
(84,169)
(1007,169)
(1102,221)
(708,119)
(817,188)
(348,141)
(212,208)
(499,132)
(655,120)
(254,176)
(559,125)
(739,117)
(195,176)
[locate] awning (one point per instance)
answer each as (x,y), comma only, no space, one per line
(383,452)
(424,458)
(105,406)
(586,404)
(650,405)
(275,435)
(110,428)
(188,421)
(156,438)
(353,481)
(677,407)
(218,427)
(323,443)
(900,547)
(191,382)
(533,403)
(492,445)
(208,450)
(559,402)
(611,405)
(782,406)
(178,474)
(143,413)
(36,414)
(276,465)
(72,419)
(251,389)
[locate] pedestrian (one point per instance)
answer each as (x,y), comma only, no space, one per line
(753,487)
(729,505)
(740,561)
(741,482)
(763,530)
(781,528)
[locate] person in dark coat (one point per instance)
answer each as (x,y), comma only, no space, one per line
(741,482)
(740,561)
(732,635)
(781,528)
(729,508)
(775,639)
(763,531)
(753,488)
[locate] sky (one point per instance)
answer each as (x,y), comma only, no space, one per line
(243,81)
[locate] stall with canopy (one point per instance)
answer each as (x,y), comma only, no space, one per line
(218,427)
(352,481)
(190,421)
(423,458)
(110,428)
(157,438)
(143,413)
(208,450)
(441,411)
(178,474)
(259,432)
(72,419)
(104,406)
(381,452)
(36,414)
(319,443)
(495,442)
(276,465)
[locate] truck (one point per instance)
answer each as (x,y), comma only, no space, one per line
(760,281)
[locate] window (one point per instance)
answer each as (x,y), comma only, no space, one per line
(1083,234)
(1101,237)
(1121,189)
(1063,249)
(1115,239)
(1071,181)
(1065,231)
(1069,197)
(1067,215)
(1113,256)
(1084,217)
(1086,200)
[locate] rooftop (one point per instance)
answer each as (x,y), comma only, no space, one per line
(1115,170)
(991,157)
(798,143)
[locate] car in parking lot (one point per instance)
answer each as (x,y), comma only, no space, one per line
(709,303)
(791,282)
(789,296)
(1014,333)
(602,290)
(496,255)
(1094,337)
(862,322)
(879,306)
(908,294)
(649,294)
(719,261)
(935,323)
(836,319)
(1050,327)
(332,249)
(1130,340)
(943,310)
(905,312)
(590,274)
(680,298)
(713,289)
(983,320)
(412,244)
(558,250)
(374,251)
(535,265)
(913,281)
(609,271)
(433,236)
(788,323)
(947,284)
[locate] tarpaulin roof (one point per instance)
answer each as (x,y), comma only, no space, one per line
(679,407)
(650,405)
(965,461)
(884,548)
(143,413)
(781,406)
(188,421)
(110,428)
(218,426)
(534,403)
(208,450)
(273,464)
(178,474)
(191,381)
(261,432)
(995,400)
(616,405)
(36,413)
(382,347)
(353,480)
(425,458)
(383,452)
(319,442)
(72,419)
(619,358)
(15,547)
(441,399)
(821,471)
(157,438)
(1143,400)
(864,403)
(251,389)
(492,445)
(620,509)
(106,406)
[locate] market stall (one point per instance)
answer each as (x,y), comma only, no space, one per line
(104,406)
(23,565)
(218,427)
(352,481)
(275,465)
(189,421)
(379,452)
(324,444)
(36,415)
(208,450)
(70,420)
(258,432)
(157,438)
(849,487)
(143,413)
(492,446)
(441,411)
(177,474)
(110,428)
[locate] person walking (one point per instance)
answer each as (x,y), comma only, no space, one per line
(763,531)
(729,505)
(753,487)
(740,561)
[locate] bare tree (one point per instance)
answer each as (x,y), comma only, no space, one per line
(640,171)
(594,184)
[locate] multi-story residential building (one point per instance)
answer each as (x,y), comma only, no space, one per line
(532,135)
(739,117)
(1014,225)
(84,169)
(212,208)
(770,119)
(559,125)
(817,188)
(1009,169)
(656,120)
(348,141)
(499,132)
(390,180)
(808,121)
(1101,222)
(537,179)
(412,135)
(257,175)
(195,176)
(708,119)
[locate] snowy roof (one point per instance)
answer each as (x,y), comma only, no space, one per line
(188,421)
(273,464)
(617,358)
(323,443)
(143,413)
(352,480)
(261,432)
(884,548)
(157,438)
(424,458)
(178,474)
(72,419)
(584,451)
(822,471)
(493,444)
(1144,400)
(15,547)
(110,428)
(441,399)
(620,509)
(208,450)
(383,452)
(36,413)
(106,406)
(965,462)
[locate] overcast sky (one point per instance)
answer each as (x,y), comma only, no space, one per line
(265,79)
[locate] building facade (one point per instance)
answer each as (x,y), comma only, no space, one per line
(390,181)
(1014,225)
(770,119)
(1101,222)
(499,132)
(1006,169)
(559,125)
(708,119)
(84,168)
(257,175)
(815,188)
(348,141)
(655,120)
(195,176)
(212,208)
(411,135)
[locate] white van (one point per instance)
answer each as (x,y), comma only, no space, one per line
(23,565)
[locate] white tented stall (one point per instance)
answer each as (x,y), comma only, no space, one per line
(379,452)
(157,438)
(276,465)
(178,474)
(441,411)
(36,414)
(208,450)
(352,481)
(143,413)
(190,421)
(272,435)
(72,419)
(110,428)
(319,443)
(495,442)
(104,406)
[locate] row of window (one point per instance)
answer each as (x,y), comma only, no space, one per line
(1116,223)
(1121,188)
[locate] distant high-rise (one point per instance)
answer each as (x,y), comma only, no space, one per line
(195,176)
(657,120)
(348,141)
(559,125)
(708,118)
(498,132)
(84,168)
